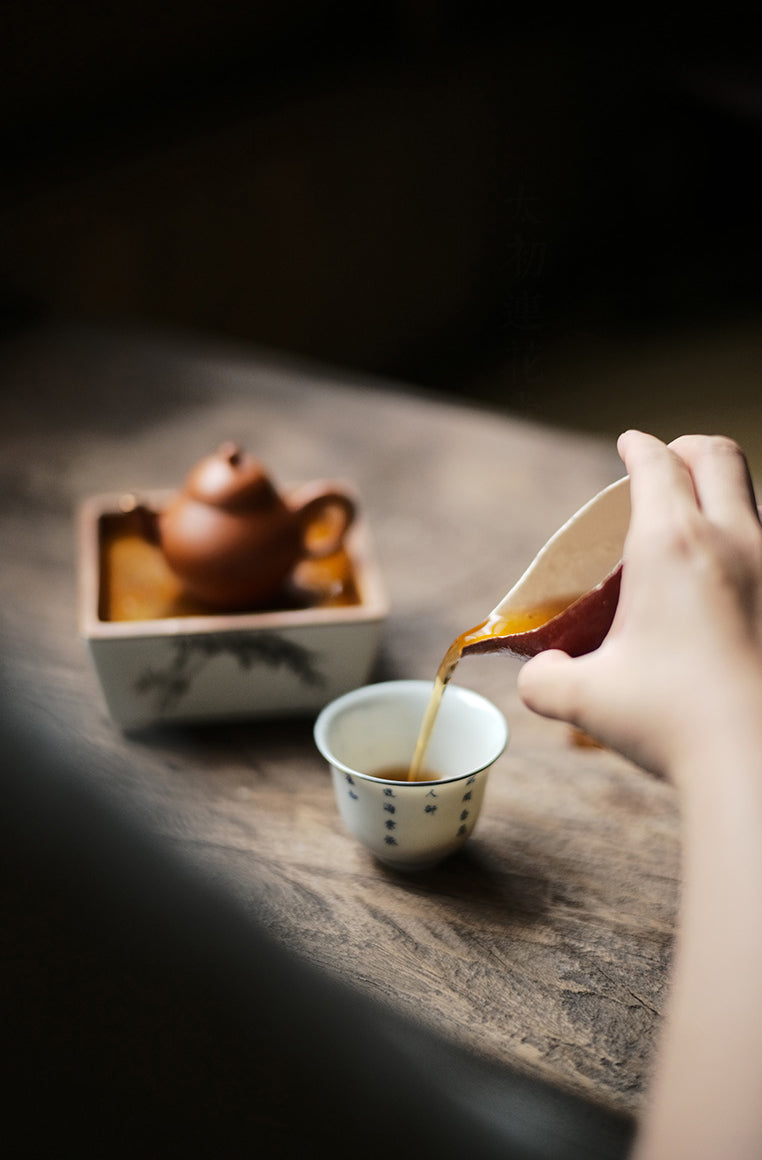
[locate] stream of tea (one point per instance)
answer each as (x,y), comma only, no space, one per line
(495,627)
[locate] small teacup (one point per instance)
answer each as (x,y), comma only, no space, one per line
(410,825)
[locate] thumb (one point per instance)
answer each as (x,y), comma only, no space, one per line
(548,685)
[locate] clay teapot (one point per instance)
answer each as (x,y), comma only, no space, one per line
(232,540)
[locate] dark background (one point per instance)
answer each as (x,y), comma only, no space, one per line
(450,194)
(470,199)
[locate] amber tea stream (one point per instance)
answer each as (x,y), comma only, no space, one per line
(583,560)
(494,628)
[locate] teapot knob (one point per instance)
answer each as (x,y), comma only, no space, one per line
(231,479)
(231,452)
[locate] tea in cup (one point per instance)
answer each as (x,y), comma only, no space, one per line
(368,737)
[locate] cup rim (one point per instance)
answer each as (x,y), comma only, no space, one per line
(363,692)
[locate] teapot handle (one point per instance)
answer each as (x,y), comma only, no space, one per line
(325,514)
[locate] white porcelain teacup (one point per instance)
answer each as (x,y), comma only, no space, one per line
(410,825)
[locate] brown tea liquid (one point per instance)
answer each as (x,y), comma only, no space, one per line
(402,773)
(493,627)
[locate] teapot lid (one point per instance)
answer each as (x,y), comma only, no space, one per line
(230,478)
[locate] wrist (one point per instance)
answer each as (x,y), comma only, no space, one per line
(719,748)
(720,785)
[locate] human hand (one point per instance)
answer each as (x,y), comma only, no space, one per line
(682,662)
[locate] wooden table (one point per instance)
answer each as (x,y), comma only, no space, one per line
(543,949)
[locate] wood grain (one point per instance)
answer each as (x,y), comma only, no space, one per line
(545,945)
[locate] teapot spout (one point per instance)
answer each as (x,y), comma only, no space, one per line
(143,519)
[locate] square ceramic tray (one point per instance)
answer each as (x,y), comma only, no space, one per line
(198,666)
